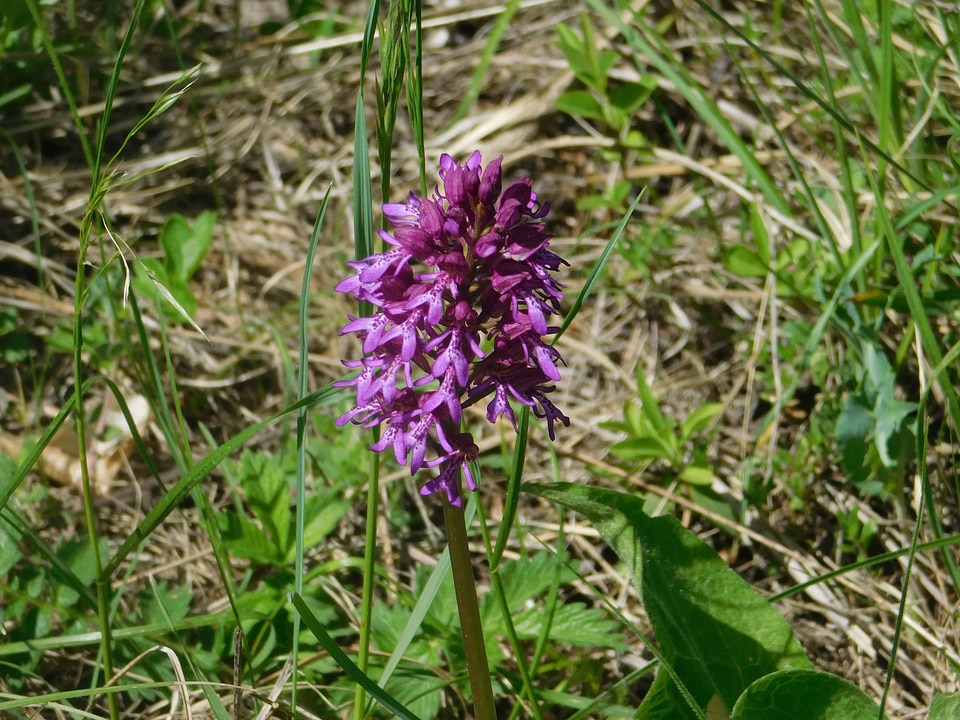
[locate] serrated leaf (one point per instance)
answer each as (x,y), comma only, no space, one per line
(419,689)
(804,694)
(526,578)
(716,633)
(573,624)
(323,512)
(243,538)
(268,493)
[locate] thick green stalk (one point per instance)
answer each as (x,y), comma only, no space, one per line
(500,593)
(470,627)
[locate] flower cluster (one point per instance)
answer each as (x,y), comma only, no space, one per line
(462,297)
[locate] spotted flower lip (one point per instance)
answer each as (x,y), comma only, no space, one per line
(462,297)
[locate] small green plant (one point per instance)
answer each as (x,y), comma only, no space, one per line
(184,245)
(527,583)
(265,480)
(856,533)
(612,103)
(652,436)
(875,430)
(15,343)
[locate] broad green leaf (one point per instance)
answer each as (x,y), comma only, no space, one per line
(945,707)
(268,492)
(853,430)
(804,695)
(198,244)
(580,102)
(526,578)
(185,245)
(174,235)
(160,604)
(744,262)
(631,95)
(716,633)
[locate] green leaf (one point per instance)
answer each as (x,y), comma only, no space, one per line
(265,484)
(323,511)
(526,578)
(244,539)
(9,547)
(580,102)
(160,604)
(717,635)
(697,475)
(804,695)
(699,419)
(185,245)
(348,666)
(631,95)
(574,624)
(653,447)
(744,262)
(853,429)
(79,558)
(945,707)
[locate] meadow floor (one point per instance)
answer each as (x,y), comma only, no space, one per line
(260,134)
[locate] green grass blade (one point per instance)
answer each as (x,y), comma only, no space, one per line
(672,69)
(846,123)
(352,671)
(415,95)
(483,66)
(597,271)
(511,502)
(302,385)
(198,472)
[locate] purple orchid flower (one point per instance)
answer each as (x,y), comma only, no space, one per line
(462,296)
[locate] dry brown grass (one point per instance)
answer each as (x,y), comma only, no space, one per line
(262,133)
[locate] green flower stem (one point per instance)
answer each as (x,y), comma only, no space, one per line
(499,592)
(470,627)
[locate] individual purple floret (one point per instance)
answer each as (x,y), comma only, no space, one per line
(462,299)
